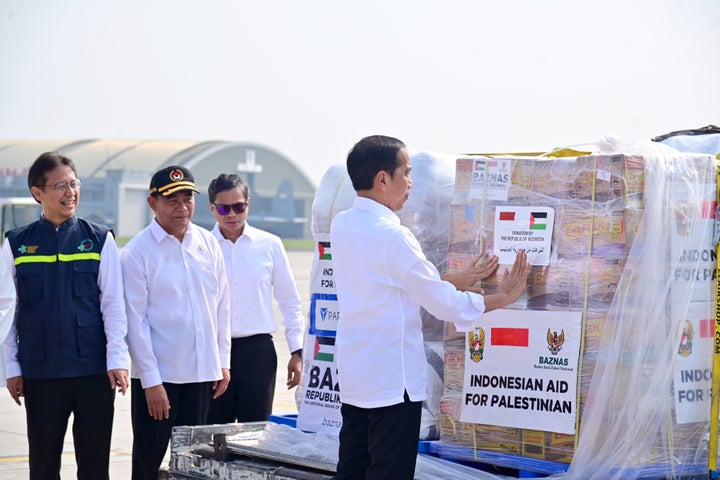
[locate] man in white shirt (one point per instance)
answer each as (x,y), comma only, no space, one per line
(178,308)
(257,268)
(382,279)
(7,310)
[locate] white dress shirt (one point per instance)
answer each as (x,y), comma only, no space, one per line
(178,306)
(112,307)
(382,278)
(8,297)
(258,269)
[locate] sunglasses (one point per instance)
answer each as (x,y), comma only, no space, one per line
(223,209)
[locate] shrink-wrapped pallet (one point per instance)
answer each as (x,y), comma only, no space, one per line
(632,256)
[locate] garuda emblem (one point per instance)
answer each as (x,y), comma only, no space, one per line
(476,342)
(555,341)
(686,340)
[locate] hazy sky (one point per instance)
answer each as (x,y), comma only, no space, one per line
(310,78)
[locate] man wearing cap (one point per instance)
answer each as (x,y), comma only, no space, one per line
(178,307)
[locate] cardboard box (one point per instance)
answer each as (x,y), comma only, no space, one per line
(590,243)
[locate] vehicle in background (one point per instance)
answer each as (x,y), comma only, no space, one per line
(279,214)
(16,212)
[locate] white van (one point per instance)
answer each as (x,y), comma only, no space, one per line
(16,212)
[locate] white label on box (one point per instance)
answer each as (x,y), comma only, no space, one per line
(691,243)
(604,175)
(521,370)
(526,228)
(491,179)
(692,375)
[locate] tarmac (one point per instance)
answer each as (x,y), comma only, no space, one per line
(13,441)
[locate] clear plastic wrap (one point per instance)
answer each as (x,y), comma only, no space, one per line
(632,251)
(644,294)
(631,424)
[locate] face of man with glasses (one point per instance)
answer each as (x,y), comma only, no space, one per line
(230,210)
(59,195)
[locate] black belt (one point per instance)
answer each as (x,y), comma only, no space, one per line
(252,338)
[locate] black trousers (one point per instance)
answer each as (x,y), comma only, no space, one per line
(48,404)
(250,394)
(189,403)
(379,443)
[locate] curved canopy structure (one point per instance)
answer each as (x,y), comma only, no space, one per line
(116,175)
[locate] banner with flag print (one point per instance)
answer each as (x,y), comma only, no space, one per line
(521,370)
(526,228)
(319,406)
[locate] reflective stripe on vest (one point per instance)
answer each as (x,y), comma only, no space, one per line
(63,257)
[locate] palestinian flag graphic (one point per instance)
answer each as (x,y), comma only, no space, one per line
(538,220)
(324,349)
(324,251)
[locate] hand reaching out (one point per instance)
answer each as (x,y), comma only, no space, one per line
(512,284)
(479,269)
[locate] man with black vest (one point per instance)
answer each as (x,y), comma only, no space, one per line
(66,351)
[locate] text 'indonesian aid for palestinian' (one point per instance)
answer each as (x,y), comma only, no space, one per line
(521,370)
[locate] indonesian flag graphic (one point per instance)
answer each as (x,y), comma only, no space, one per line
(708,210)
(509,337)
(707,328)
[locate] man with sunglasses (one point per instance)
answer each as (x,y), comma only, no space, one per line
(258,269)
(178,309)
(66,351)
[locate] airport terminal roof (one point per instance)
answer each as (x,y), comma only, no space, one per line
(95,157)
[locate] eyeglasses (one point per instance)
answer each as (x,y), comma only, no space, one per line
(223,209)
(62,186)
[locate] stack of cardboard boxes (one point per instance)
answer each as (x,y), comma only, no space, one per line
(597,201)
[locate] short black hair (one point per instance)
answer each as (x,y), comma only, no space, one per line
(371,155)
(226,181)
(37,175)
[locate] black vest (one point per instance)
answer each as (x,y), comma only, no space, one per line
(59,324)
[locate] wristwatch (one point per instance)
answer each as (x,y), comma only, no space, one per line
(298,352)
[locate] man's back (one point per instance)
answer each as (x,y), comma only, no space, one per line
(380,330)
